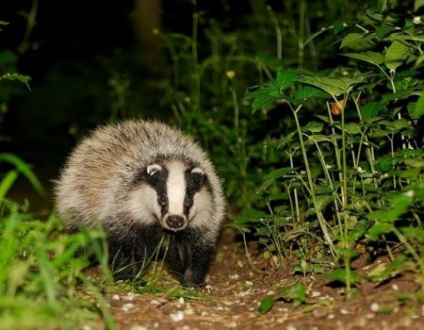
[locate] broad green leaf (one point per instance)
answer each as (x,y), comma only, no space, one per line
(418,111)
(343,276)
(396,54)
(322,201)
(262,102)
(356,41)
(369,56)
(295,293)
(285,79)
(382,31)
(384,271)
(278,173)
(352,128)
(418,4)
(360,229)
(249,217)
(333,86)
(313,126)
(307,92)
(266,304)
(399,204)
(379,228)
(371,110)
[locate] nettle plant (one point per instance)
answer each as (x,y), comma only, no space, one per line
(352,167)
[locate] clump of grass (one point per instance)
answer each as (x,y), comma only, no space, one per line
(42,282)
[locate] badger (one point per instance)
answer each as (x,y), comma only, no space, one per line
(142,181)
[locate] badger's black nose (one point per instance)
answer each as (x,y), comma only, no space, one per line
(175,222)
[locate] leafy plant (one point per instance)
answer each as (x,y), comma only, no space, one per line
(355,170)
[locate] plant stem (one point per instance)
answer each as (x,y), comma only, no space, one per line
(321,220)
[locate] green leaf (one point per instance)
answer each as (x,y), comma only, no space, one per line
(383,271)
(307,92)
(378,228)
(266,304)
(371,110)
(418,4)
(382,31)
(396,54)
(295,293)
(343,276)
(418,111)
(313,127)
(399,204)
(285,79)
(353,128)
(356,41)
(360,229)
(369,56)
(278,173)
(23,168)
(16,77)
(333,86)
(249,217)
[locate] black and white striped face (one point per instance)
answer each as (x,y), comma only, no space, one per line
(172,192)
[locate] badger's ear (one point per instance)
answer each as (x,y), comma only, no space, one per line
(152,169)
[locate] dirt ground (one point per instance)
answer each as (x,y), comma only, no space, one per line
(235,288)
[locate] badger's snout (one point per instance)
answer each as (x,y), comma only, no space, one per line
(175,222)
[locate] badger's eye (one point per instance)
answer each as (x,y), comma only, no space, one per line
(188,202)
(162,200)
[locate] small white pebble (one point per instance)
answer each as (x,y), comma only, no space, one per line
(85,327)
(330,316)
(156,325)
(116,297)
(345,311)
(270,293)
(250,283)
(370,316)
(138,327)
(315,294)
(209,288)
(204,313)
(395,287)
(375,307)
(417,20)
(181,301)
(127,307)
(234,277)
(177,316)
(154,302)
(129,297)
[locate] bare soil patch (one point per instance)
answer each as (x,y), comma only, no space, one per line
(235,289)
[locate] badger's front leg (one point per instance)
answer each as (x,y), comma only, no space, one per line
(194,253)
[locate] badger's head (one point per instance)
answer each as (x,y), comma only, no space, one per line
(174,193)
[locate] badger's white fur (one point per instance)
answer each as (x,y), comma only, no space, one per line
(139,180)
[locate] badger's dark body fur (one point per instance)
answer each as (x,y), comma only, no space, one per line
(141,180)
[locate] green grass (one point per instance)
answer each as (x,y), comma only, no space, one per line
(42,282)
